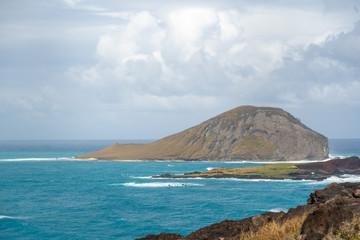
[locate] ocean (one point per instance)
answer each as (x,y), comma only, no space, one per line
(45,196)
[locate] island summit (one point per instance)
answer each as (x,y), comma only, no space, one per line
(244,133)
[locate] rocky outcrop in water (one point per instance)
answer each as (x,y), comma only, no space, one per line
(244,133)
(327,212)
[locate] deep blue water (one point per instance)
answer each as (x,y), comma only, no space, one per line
(45,198)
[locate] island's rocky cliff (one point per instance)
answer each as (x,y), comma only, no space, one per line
(330,213)
(244,133)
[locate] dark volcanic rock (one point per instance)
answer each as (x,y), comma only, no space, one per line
(244,133)
(229,229)
(162,236)
(339,165)
(344,190)
(327,217)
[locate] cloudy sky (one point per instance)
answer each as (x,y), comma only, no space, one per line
(86,69)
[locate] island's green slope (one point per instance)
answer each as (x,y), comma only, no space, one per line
(269,171)
(244,133)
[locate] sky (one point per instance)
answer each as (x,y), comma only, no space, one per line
(86,69)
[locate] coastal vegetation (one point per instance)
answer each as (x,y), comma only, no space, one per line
(274,230)
(268,171)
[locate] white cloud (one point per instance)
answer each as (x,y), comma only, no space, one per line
(337,93)
(217,54)
(72,2)
(187,29)
(230,24)
(155,56)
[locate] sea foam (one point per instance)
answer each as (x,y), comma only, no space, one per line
(343,178)
(32,159)
(159,184)
(10,217)
(338,179)
(145,177)
(275,210)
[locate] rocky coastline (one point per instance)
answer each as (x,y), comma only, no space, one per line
(330,213)
(316,171)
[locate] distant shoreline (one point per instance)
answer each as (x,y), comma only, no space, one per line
(222,161)
(317,171)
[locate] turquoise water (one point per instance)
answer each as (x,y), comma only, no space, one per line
(42,197)
(40,149)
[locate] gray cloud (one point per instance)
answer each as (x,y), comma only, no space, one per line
(132,70)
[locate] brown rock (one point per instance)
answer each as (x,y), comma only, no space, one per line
(333,165)
(327,217)
(356,194)
(329,192)
(311,236)
(162,236)
(230,229)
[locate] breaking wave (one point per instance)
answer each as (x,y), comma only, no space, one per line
(147,177)
(275,210)
(32,159)
(158,184)
(10,217)
(343,178)
(295,161)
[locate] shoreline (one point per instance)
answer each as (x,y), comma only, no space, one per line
(214,161)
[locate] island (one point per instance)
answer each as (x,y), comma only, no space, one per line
(278,171)
(244,133)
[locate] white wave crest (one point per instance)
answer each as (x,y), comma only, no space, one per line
(243,179)
(148,177)
(32,159)
(10,217)
(275,210)
(273,162)
(336,156)
(160,184)
(338,179)
(210,168)
(267,180)
(343,178)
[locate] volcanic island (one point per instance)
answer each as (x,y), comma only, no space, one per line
(245,133)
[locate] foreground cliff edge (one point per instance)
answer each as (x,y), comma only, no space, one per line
(243,133)
(330,213)
(317,171)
